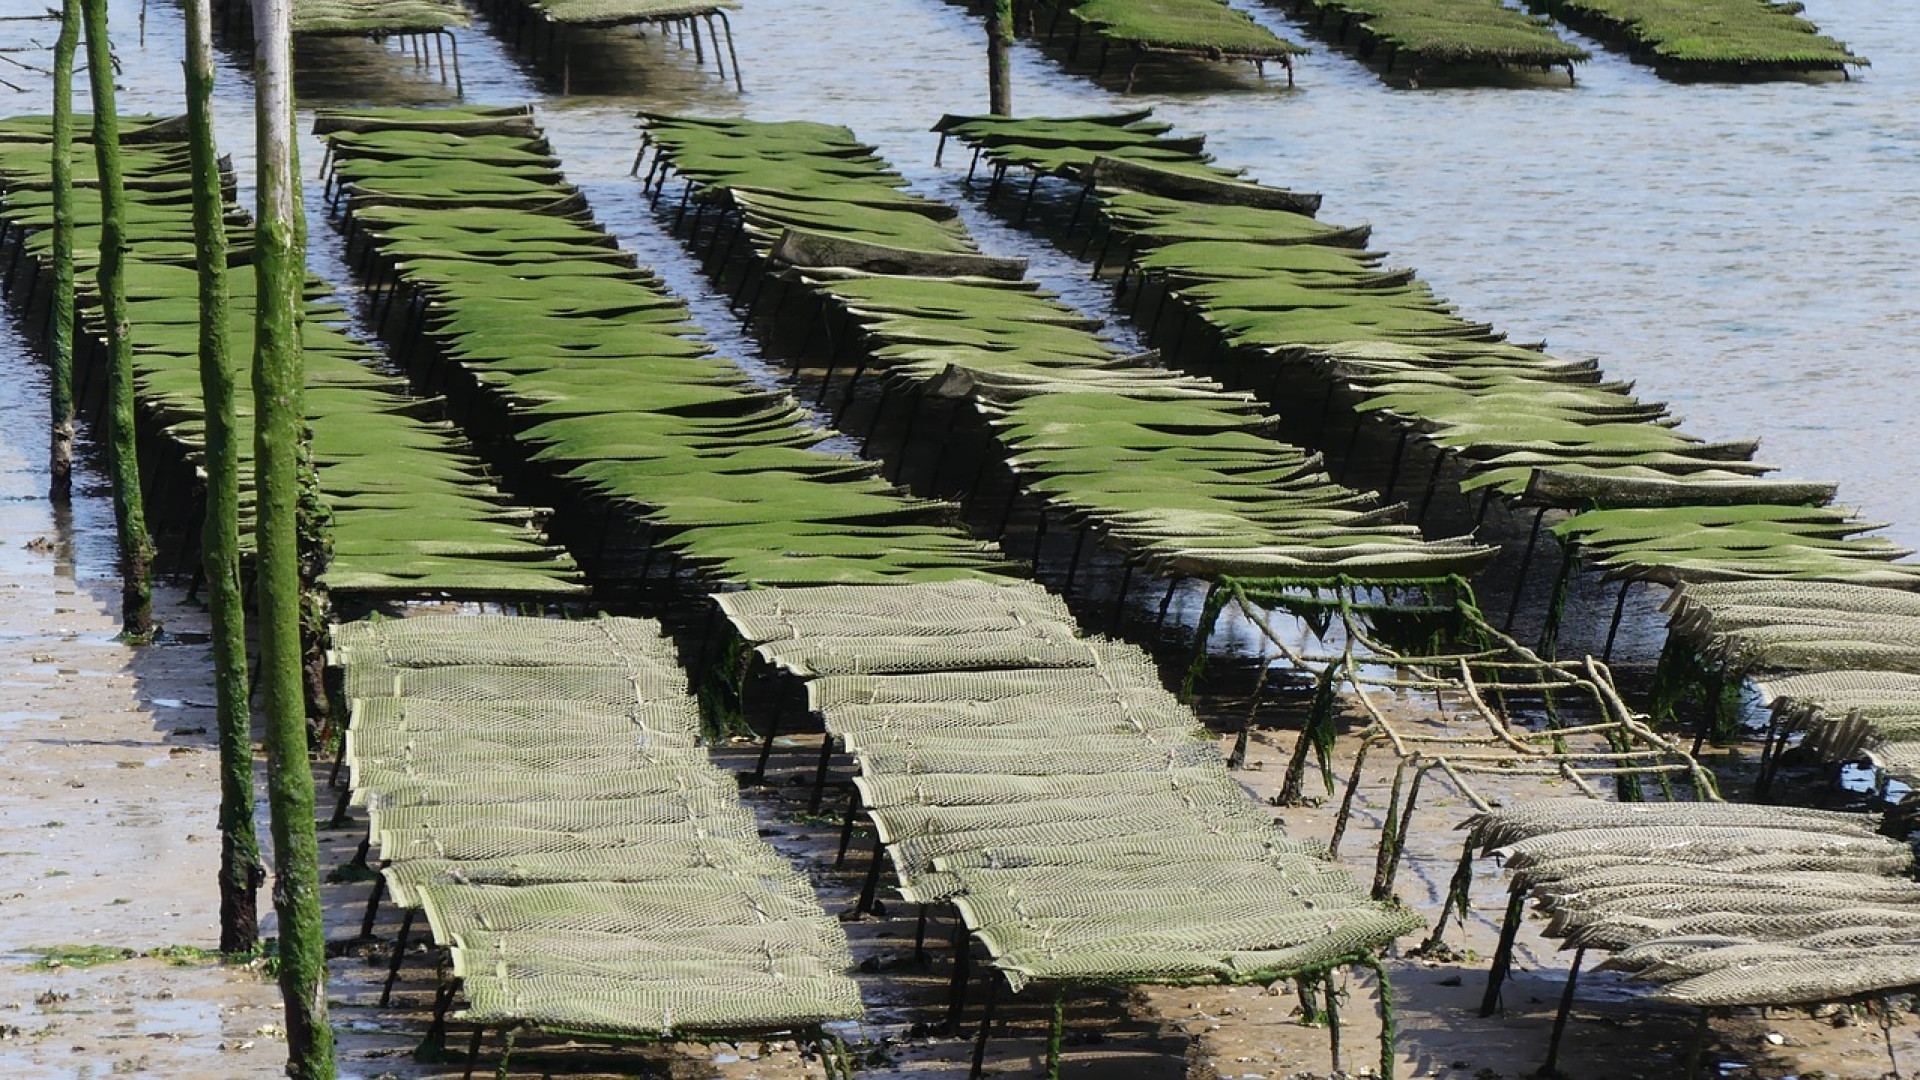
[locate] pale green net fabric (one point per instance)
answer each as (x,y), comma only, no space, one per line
(1049,786)
(539,788)
(1719,904)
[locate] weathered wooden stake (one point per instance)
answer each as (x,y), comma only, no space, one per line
(999,62)
(240,869)
(129,510)
(279,269)
(60,441)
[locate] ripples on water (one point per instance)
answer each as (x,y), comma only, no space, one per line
(1747,251)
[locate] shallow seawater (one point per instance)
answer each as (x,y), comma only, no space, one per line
(1746,251)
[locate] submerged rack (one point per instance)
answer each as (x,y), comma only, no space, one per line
(423,29)
(1708,38)
(557,20)
(1446,34)
(1192,29)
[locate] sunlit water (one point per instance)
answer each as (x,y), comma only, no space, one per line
(1745,251)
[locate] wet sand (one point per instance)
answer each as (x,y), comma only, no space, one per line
(109,789)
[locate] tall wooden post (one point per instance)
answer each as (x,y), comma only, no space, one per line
(999,62)
(136,549)
(60,437)
(278,376)
(240,868)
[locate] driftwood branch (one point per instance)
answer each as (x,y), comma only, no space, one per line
(22,63)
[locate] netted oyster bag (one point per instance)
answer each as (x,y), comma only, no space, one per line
(1542,817)
(608,684)
(1193,847)
(1612,932)
(721,1004)
(674,721)
(894,655)
(1833,975)
(438,641)
(1116,673)
(1039,717)
(484,787)
(1684,844)
(1593,891)
(962,756)
(697,899)
(1175,791)
(762,614)
(425,759)
(625,865)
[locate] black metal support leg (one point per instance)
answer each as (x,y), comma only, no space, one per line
(1503,955)
(373,905)
(1520,579)
(986,1026)
(399,954)
(962,971)
(766,748)
(820,773)
(872,884)
(1552,1066)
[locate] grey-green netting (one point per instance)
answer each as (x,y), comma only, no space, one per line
(328,17)
(1174,471)
(1839,664)
(1852,715)
(411,509)
(538,787)
(1719,904)
(1075,813)
(1796,626)
(1278,293)
(600,372)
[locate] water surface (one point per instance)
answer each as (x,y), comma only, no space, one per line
(1745,251)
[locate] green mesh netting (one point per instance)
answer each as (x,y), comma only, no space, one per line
(538,788)
(1080,819)
(1716,903)
(601,373)
(412,511)
(1174,470)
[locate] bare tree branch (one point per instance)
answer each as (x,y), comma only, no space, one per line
(23,63)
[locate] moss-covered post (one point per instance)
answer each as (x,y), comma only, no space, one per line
(999,62)
(60,440)
(279,272)
(316,541)
(240,868)
(129,511)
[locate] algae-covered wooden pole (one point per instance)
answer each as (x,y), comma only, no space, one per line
(136,550)
(60,439)
(279,272)
(999,61)
(240,869)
